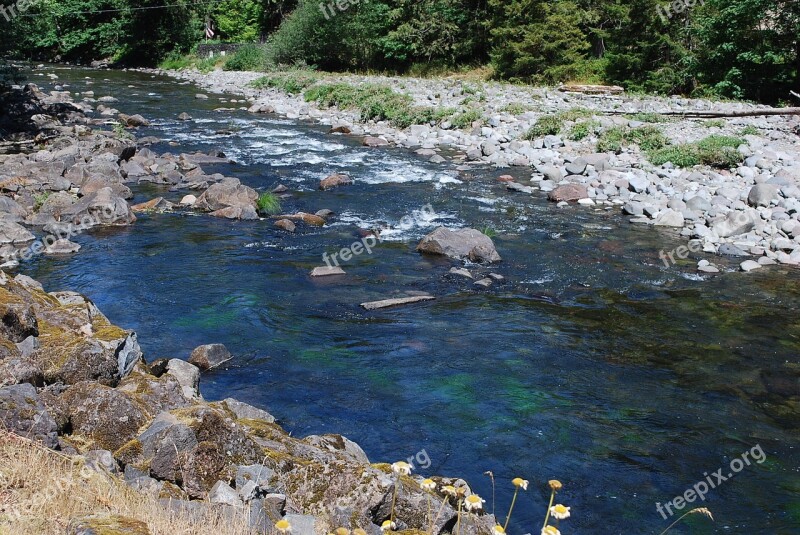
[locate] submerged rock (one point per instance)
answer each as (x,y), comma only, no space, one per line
(210,356)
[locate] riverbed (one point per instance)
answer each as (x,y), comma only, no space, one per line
(592,362)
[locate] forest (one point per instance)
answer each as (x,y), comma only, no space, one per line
(738,49)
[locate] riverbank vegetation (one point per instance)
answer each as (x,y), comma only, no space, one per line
(727,48)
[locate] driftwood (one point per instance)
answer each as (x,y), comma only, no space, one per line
(591,89)
(715,114)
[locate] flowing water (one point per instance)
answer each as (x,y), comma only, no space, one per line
(593,363)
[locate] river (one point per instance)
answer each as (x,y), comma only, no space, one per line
(592,362)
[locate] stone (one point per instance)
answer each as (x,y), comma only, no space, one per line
(484,283)
(698,204)
(187,375)
(105,417)
(11,232)
(134,120)
(229,192)
(515,186)
(22,412)
(184,117)
(106,524)
(460,244)
(568,192)
(243,411)
(201,96)
(749,265)
(334,181)
(101,461)
(285,224)
(576,167)
(371,141)
(728,249)
(258,474)
(222,493)
(326,271)
(163,443)
(670,218)
(638,183)
(386,303)
(461,272)
(338,444)
(302,524)
(188,200)
(210,356)
(734,224)
(762,194)
(103,207)
(550,172)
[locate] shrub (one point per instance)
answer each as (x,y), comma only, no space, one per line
(646,117)
(547,125)
(648,138)
(582,130)
(288,82)
(465,119)
(750,130)
(175,61)
(714,123)
(247,58)
(516,108)
(268,203)
(714,151)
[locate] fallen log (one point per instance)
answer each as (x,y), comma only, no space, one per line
(591,89)
(385,303)
(713,114)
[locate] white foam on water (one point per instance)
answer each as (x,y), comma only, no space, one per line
(411,226)
(543,280)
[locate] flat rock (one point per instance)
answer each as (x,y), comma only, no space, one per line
(334,181)
(371,141)
(386,303)
(326,271)
(285,224)
(749,265)
(568,192)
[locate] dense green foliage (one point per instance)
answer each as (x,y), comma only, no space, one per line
(728,48)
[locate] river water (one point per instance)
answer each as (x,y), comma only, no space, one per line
(592,363)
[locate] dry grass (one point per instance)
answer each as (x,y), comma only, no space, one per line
(42,490)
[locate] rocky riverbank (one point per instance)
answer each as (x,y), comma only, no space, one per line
(76,383)
(742,201)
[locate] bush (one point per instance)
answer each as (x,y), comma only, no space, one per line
(551,125)
(465,119)
(175,61)
(248,58)
(714,151)
(648,138)
(268,203)
(516,108)
(646,117)
(288,82)
(582,130)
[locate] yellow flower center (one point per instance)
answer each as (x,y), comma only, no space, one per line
(560,509)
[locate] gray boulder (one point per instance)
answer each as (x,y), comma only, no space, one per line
(735,223)
(762,194)
(23,413)
(210,356)
(11,232)
(463,243)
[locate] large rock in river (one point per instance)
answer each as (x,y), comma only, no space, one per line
(463,243)
(229,198)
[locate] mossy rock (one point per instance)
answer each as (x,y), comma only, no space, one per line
(107,525)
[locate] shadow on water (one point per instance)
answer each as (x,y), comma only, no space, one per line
(592,363)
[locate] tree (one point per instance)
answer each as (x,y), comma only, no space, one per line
(537,40)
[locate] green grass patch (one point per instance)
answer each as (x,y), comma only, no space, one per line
(582,130)
(614,139)
(465,119)
(288,82)
(379,103)
(268,203)
(750,130)
(714,151)
(516,108)
(552,124)
(714,123)
(646,117)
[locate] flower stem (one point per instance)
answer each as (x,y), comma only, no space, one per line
(511,509)
(547,516)
(437,515)
(681,518)
(394,499)
(458,522)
